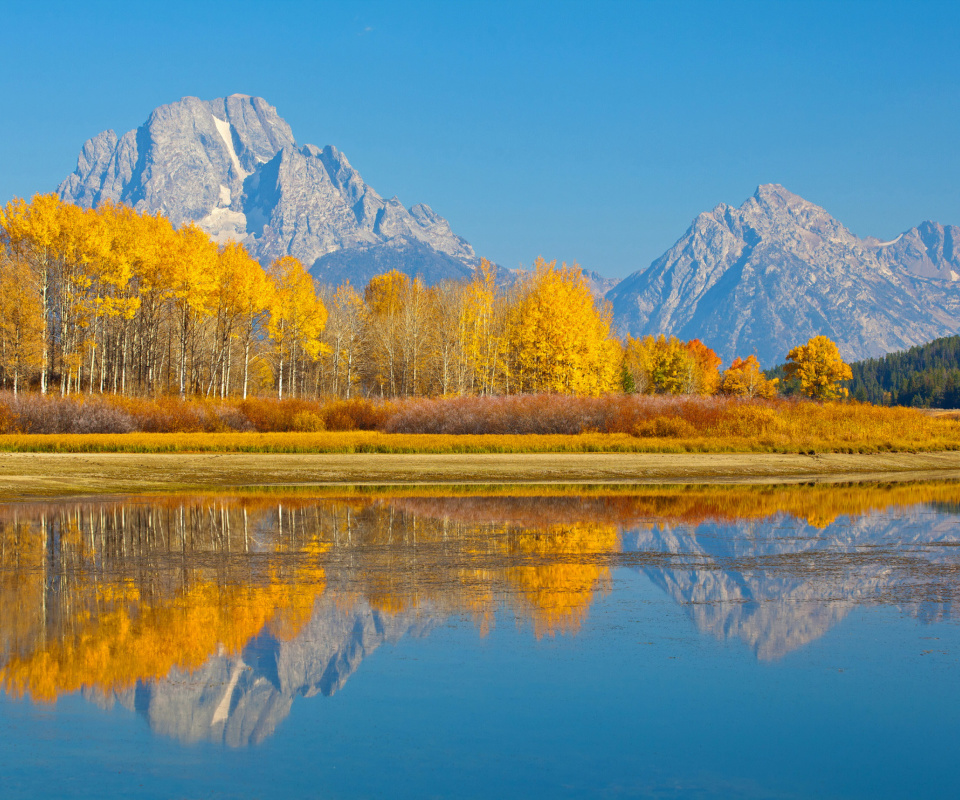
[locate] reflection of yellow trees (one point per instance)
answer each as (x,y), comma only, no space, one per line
(558,594)
(635,505)
(115,649)
(500,548)
(106,595)
(21,586)
(113,621)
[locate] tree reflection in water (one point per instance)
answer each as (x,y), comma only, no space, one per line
(209,614)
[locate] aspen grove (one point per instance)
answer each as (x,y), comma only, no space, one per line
(111,300)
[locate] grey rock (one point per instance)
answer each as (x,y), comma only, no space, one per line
(232,166)
(599,284)
(770,274)
(930,250)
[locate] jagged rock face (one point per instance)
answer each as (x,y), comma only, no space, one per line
(770,274)
(930,250)
(232,166)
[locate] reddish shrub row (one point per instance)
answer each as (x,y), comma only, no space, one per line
(552,413)
(639,415)
(35,413)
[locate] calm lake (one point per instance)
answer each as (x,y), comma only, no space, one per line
(666,642)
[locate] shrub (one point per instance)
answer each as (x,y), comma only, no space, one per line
(308,422)
(666,427)
(356,414)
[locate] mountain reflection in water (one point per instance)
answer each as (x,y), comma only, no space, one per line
(210,614)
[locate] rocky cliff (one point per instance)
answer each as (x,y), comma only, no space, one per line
(232,166)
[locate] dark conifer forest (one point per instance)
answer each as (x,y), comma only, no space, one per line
(925,376)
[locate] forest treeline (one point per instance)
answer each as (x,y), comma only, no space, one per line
(115,301)
(926,376)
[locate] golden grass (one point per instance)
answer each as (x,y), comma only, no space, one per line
(938,435)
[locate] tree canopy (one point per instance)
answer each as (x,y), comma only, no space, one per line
(819,368)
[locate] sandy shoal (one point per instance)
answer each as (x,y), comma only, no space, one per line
(29,475)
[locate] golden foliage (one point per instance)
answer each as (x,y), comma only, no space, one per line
(560,340)
(744,378)
(661,365)
(819,368)
(111,630)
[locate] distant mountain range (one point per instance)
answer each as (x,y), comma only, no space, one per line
(759,279)
(770,274)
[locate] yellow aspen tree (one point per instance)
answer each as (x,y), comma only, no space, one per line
(82,246)
(415,333)
(114,298)
(450,367)
(297,319)
(484,320)
(32,231)
(21,322)
(559,339)
(154,259)
(819,367)
(191,291)
(383,304)
(252,293)
(344,339)
(236,282)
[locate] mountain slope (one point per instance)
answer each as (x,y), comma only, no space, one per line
(770,274)
(232,166)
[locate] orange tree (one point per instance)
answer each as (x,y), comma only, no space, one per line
(744,378)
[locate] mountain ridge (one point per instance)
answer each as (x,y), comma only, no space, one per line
(758,278)
(232,166)
(769,274)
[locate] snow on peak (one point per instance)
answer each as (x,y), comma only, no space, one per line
(223,128)
(892,241)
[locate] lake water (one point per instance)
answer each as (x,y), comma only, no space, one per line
(663,642)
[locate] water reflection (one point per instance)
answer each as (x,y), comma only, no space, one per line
(209,615)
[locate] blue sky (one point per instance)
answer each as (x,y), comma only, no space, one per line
(591,132)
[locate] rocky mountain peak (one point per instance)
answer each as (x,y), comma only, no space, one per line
(779,269)
(774,195)
(930,250)
(232,165)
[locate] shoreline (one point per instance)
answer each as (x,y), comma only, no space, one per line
(25,476)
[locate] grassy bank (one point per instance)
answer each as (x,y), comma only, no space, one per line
(904,441)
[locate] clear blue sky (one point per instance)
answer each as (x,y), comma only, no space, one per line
(590,132)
